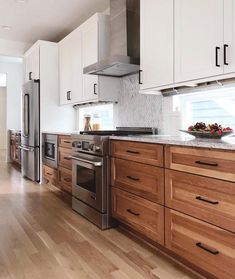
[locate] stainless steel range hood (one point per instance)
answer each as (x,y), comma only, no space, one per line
(124,41)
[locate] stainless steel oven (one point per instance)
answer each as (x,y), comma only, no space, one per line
(49,150)
(90,180)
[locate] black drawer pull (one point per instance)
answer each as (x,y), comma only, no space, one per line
(67,180)
(225,54)
(132,152)
(207,163)
(48,173)
(133,178)
(132,212)
(93,197)
(216,57)
(67,158)
(67,142)
(202,246)
(206,200)
(140,81)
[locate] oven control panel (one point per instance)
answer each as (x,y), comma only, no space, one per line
(87,146)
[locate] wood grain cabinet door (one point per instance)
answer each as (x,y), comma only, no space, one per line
(65,179)
(146,153)
(207,246)
(65,141)
(211,200)
(202,161)
(64,157)
(143,180)
(142,215)
(50,174)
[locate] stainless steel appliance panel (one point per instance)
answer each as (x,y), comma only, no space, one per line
(90,180)
(30,114)
(30,162)
(49,150)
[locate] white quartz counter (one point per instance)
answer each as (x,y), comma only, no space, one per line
(227,143)
(67,133)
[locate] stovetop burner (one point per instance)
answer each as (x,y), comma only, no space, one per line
(121,131)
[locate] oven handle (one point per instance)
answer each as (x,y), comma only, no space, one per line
(96,164)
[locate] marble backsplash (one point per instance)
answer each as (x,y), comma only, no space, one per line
(137,110)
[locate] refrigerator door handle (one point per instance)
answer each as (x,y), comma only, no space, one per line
(26,148)
(26,115)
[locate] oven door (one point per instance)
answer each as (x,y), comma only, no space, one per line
(90,180)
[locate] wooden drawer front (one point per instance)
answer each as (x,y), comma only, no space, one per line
(143,180)
(204,245)
(217,164)
(65,141)
(139,152)
(65,179)
(144,216)
(50,174)
(63,158)
(211,200)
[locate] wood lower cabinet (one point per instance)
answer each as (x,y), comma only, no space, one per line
(140,179)
(201,161)
(15,141)
(206,246)
(211,200)
(146,153)
(49,174)
(64,159)
(144,216)
(65,179)
(65,141)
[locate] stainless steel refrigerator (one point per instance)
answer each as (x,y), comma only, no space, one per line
(30,137)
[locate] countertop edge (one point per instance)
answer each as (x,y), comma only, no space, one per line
(228,144)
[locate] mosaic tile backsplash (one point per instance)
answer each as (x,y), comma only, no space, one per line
(135,109)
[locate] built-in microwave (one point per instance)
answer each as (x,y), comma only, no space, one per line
(49,150)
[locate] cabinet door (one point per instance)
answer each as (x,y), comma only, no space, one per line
(65,71)
(198,39)
(229,36)
(32,61)
(156,43)
(90,56)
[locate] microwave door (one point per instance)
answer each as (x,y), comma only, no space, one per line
(30,114)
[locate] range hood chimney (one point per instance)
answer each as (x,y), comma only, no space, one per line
(124,56)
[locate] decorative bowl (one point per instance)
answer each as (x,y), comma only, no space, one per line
(207,134)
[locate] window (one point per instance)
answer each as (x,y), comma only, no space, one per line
(217,106)
(104,113)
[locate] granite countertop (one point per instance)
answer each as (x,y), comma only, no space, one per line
(227,143)
(67,133)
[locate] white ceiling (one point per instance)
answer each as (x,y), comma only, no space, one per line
(45,19)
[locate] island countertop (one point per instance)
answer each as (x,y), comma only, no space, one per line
(227,143)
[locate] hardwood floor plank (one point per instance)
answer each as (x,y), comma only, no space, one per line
(41,237)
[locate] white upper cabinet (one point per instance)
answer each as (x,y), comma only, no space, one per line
(229,36)
(70,68)
(156,43)
(198,39)
(31,63)
(86,45)
(90,55)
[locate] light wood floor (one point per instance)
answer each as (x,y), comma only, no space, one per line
(42,238)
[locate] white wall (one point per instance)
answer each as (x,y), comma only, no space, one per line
(13,48)
(3,130)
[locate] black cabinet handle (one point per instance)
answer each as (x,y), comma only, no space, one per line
(132,152)
(133,178)
(93,197)
(140,71)
(216,57)
(206,200)
(69,95)
(67,179)
(95,92)
(67,141)
(202,246)
(211,164)
(48,173)
(30,75)
(132,212)
(225,54)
